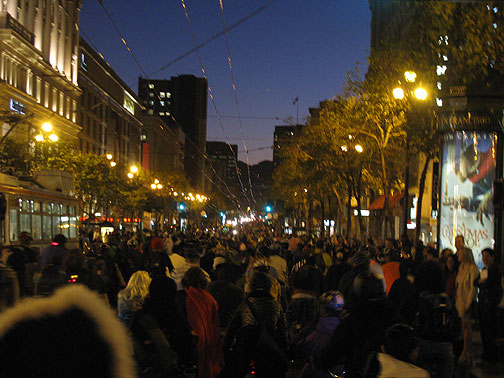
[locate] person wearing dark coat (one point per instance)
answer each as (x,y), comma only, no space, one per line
(362,332)
(490,294)
(242,333)
(225,291)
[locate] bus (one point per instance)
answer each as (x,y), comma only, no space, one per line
(41,212)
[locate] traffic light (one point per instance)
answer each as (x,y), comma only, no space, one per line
(268,209)
(181,206)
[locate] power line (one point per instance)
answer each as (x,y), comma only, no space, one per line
(215,36)
(245,117)
(210,89)
(236,99)
(122,38)
(143,71)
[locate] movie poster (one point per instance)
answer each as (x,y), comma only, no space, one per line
(468,173)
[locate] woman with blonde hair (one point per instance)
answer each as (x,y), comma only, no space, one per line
(466,293)
(131,298)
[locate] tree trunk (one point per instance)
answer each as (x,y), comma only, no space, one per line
(421,188)
(322,210)
(386,204)
(349,211)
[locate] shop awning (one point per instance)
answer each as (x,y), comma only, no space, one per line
(378,203)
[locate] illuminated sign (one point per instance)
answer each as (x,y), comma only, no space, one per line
(468,173)
(17,106)
(129,103)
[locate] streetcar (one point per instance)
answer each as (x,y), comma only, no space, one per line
(41,212)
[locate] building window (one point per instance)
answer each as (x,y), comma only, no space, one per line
(151,86)
(54,100)
(161,113)
(83,62)
(168,95)
(162,103)
(61,103)
(150,112)
(38,90)
(129,103)
(162,94)
(151,102)
(74,110)
(151,94)
(46,95)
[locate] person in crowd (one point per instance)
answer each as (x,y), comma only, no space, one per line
(459,243)
(202,314)
(9,286)
(391,269)
(399,354)
(71,333)
(450,275)
(55,253)
(402,294)
(303,307)
(225,291)
(76,271)
(435,337)
(178,262)
(243,331)
(24,261)
(466,294)
(489,297)
(162,336)
(51,278)
(132,297)
(361,332)
(360,264)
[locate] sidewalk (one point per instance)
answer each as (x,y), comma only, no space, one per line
(476,371)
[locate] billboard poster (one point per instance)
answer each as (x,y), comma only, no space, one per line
(468,173)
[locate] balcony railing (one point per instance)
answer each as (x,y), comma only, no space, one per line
(7,21)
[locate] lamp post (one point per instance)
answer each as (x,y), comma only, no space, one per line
(420,94)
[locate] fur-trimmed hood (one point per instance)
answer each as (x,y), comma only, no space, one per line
(70,334)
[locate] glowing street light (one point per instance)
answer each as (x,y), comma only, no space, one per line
(153,186)
(109,156)
(159,186)
(113,163)
(130,175)
(39,138)
(53,138)
(133,169)
(398,93)
(47,127)
(410,76)
(420,93)
(359,148)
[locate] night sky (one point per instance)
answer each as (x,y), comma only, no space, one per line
(293,48)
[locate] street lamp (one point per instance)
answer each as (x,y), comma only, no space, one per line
(46,128)
(420,94)
(134,169)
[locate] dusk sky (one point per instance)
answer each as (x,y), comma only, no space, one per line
(293,48)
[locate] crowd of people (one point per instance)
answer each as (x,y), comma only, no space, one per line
(209,305)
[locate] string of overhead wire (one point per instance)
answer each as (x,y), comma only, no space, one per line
(143,71)
(236,98)
(211,166)
(211,94)
(233,197)
(215,36)
(122,37)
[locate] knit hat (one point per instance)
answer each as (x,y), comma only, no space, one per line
(70,334)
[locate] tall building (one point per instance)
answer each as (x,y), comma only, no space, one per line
(108,110)
(38,67)
(222,167)
(283,137)
(162,146)
(182,101)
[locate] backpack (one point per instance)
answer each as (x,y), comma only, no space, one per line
(437,318)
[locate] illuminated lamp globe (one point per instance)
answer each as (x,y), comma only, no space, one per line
(46,127)
(130,175)
(359,148)
(398,93)
(410,76)
(159,186)
(113,163)
(133,169)
(109,156)
(53,138)
(156,181)
(39,138)
(420,94)
(153,186)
